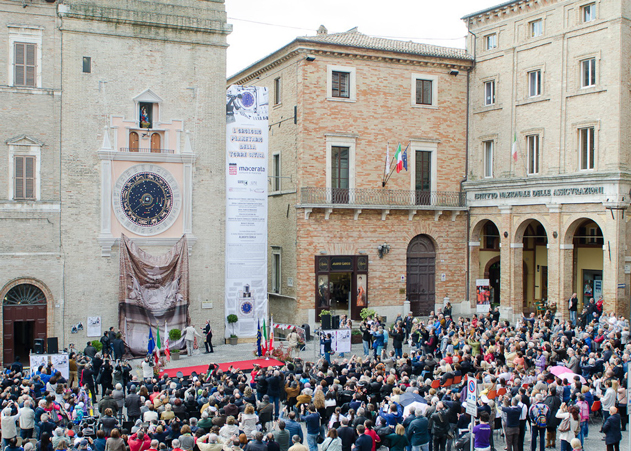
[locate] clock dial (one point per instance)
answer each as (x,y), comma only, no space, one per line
(146,199)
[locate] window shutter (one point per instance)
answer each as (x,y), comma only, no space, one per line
(19,178)
(19,64)
(335,83)
(29,177)
(30,64)
(344,85)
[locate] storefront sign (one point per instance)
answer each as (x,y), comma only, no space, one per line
(341,263)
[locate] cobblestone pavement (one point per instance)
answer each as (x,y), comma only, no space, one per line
(244,351)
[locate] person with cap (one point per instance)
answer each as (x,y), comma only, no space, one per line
(133,404)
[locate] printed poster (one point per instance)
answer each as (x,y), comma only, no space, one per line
(94,326)
(246,208)
(59,362)
(483,295)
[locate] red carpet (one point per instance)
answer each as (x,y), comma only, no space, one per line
(242,365)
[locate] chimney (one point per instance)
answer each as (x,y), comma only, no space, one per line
(322,30)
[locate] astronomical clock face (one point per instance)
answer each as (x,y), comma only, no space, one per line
(146,199)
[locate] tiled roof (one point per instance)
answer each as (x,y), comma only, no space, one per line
(353,38)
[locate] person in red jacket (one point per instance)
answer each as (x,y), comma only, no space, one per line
(139,442)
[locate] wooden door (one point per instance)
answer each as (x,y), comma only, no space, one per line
(155,143)
(11,314)
(133,142)
(421,275)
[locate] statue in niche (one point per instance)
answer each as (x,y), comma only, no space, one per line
(145,117)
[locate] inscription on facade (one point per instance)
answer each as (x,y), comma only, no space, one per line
(558,192)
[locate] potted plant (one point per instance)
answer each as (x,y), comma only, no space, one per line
(356,336)
(325,319)
(232,319)
(174,336)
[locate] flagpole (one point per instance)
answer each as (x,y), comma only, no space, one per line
(385,168)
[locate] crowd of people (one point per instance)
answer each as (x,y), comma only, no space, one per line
(385,398)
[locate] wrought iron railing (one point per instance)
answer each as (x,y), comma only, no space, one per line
(145,150)
(381,197)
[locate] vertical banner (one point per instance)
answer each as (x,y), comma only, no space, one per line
(246,208)
(483,292)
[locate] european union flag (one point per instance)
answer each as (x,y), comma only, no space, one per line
(258,338)
(405,158)
(151,345)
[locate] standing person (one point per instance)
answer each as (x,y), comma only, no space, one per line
(133,404)
(312,421)
(539,414)
(332,441)
(364,328)
(105,341)
(208,332)
(482,433)
(326,342)
(513,412)
(439,424)
(118,346)
(418,432)
(363,442)
(292,339)
(9,428)
(569,426)
(611,428)
(190,338)
(347,434)
(572,305)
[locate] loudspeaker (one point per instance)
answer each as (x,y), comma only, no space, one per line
(326,322)
(335,321)
(38,346)
(53,345)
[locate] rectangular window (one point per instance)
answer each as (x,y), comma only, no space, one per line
(24,178)
(489,93)
(490,41)
(423,92)
(536,28)
(532,143)
(488,158)
(87,65)
(25,66)
(277,91)
(588,12)
(586,147)
(276,280)
(276,172)
(534,83)
(588,73)
(340,84)
(340,174)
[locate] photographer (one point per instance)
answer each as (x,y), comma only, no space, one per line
(147,369)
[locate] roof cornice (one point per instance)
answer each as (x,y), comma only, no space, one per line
(503,9)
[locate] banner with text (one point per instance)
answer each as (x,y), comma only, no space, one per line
(246,208)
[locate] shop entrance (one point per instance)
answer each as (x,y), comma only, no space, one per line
(588,244)
(341,284)
(494,281)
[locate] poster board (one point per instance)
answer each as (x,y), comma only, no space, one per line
(59,361)
(340,340)
(94,326)
(483,295)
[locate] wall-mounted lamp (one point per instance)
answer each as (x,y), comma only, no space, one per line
(383,249)
(310,58)
(505,234)
(323,252)
(555,234)
(361,252)
(454,72)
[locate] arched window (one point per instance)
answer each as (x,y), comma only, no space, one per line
(24,294)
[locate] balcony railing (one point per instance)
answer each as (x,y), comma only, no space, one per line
(145,150)
(382,197)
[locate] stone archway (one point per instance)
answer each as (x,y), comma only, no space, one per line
(26,314)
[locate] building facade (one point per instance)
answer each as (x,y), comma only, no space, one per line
(339,238)
(96,93)
(548,181)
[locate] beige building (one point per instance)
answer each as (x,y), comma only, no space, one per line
(93,93)
(338,239)
(548,181)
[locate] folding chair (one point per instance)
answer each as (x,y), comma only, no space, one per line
(457,380)
(448,383)
(435,384)
(596,412)
(492,394)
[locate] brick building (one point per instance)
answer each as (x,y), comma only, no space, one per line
(338,239)
(548,181)
(91,90)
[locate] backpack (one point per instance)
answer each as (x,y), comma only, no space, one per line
(539,415)
(565,424)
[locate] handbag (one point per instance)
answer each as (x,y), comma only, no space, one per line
(320,440)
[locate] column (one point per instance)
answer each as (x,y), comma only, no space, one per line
(566,279)
(474,271)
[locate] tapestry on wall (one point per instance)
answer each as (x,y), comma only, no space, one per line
(153,290)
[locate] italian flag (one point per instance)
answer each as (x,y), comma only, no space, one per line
(399,157)
(271,335)
(167,351)
(158,344)
(514,148)
(264,338)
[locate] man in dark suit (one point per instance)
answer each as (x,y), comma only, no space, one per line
(208,333)
(363,442)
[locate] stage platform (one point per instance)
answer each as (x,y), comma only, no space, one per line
(244,365)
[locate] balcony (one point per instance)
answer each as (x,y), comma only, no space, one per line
(145,150)
(381,199)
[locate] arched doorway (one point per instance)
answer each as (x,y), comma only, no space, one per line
(490,258)
(421,273)
(587,261)
(24,311)
(535,265)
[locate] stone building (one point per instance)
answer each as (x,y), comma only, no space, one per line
(338,239)
(548,180)
(92,92)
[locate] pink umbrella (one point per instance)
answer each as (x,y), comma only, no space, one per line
(565,373)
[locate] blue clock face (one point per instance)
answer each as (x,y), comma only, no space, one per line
(146,199)
(247,99)
(246,308)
